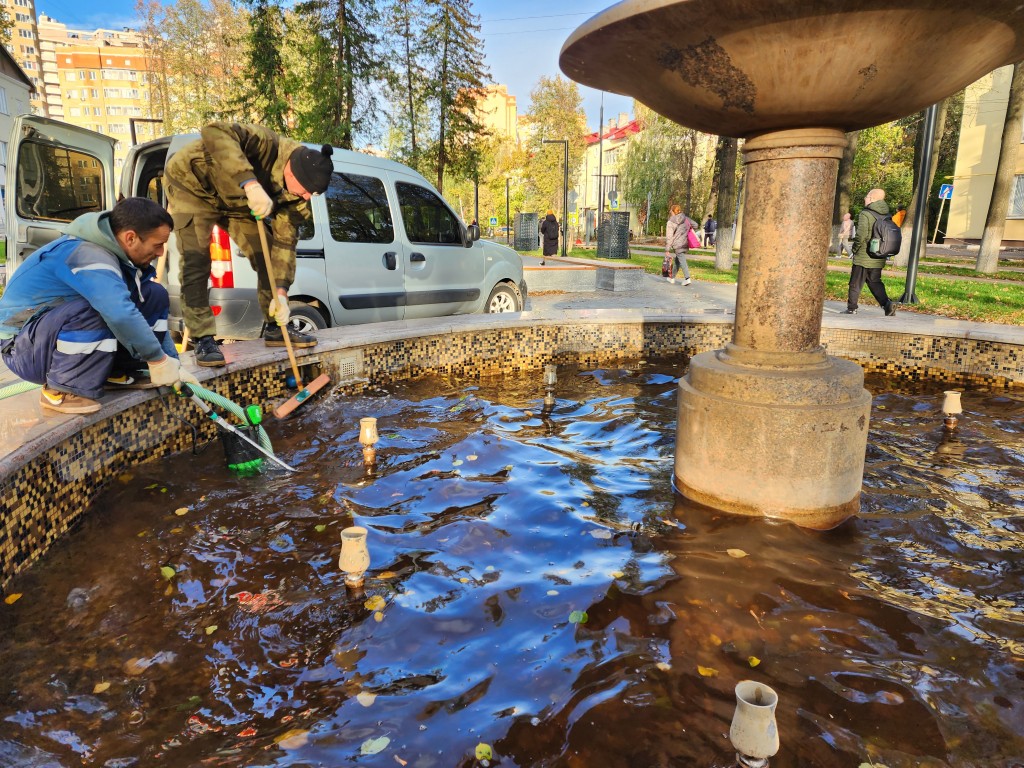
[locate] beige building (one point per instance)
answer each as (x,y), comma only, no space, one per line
(98,79)
(496,109)
(981,131)
(24,47)
(596,178)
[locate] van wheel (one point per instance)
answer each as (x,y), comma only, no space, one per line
(503,299)
(306,319)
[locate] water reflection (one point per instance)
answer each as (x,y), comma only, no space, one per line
(535,586)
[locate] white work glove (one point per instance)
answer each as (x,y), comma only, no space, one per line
(279,310)
(169,373)
(259,201)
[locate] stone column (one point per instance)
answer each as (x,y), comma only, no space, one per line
(771,425)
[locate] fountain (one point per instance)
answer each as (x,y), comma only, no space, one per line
(772,425)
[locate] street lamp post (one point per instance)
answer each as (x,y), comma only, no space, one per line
(508,229)
(565,190)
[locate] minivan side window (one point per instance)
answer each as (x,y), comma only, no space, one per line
(427,219)
(57,183)
(358,211)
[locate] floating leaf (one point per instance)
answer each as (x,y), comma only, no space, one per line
(600,533)
(177,530)
(12,598)
(464,580)
(125,478)
(387,575)
(167,572)
(552,592)
(100,687)
(400,761)
(292,739)
(170,590)
(737,553)
(753,661)
(483,751)
(617,574)
(320,528)
(585,504)
(664,666)
(578,617)
(378,616)
(715,639)
(707,671)
(457,463)
(373,746)
(366,698)
(151,486)
(211,629)
(374,603)
(181,511)
(247,733)
(471,457)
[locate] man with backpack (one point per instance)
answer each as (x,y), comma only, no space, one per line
(872,245)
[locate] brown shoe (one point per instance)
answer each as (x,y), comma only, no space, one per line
(65,402)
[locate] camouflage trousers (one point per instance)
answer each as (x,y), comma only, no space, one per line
(192,231)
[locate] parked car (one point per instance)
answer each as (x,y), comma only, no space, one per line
(382,243)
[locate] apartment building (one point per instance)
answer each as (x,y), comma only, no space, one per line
(99,79)
(24,48)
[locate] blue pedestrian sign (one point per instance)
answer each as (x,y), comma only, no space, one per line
(945,192)
(494,221)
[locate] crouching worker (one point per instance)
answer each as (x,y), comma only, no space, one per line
(233,173)
(86,308)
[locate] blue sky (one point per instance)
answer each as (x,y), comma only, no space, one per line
(522,40)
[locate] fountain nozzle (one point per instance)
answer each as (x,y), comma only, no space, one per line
(355,557)
(753,732)
(951,408)
(368,439)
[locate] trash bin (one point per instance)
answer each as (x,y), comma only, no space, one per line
(613,235)
(527,233)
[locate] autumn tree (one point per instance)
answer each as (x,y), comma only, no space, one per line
(843,200)
(263,98)
(556,113)
(457,75)
(725,192)
(409,117)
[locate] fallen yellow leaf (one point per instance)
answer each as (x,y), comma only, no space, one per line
(211,629)
(181,511)
(292,739)
(378,616)
(400,761)
(12,598)
(374,603)
(737,553)
(100,687)
(707,671)
(387,575)
(715,639)
(753,661)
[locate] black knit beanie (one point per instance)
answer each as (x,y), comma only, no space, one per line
(313,169)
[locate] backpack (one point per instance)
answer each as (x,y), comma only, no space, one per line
(886,237)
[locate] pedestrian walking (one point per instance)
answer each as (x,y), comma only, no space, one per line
(230,177)
(710,228)
(677,243)
(549,232)
(846,234)
(865,268)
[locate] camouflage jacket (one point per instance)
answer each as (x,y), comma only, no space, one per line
(207,175)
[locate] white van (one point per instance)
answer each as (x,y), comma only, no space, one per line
(382,243)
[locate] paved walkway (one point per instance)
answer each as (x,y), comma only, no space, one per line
(22,420)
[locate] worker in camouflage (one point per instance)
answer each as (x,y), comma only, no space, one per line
(234,173)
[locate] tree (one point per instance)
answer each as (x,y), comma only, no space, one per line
(556,112)
(409,115)
(883,160)
(995,221)
(263,100)
(459,74)
(843,199)
(6,26)
(725,195)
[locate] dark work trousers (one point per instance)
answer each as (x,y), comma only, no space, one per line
(70,348)
(873,276)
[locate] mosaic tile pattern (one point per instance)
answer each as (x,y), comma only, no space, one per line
(46,496)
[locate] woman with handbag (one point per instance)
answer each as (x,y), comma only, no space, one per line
(678,232)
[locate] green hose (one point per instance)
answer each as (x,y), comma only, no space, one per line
(235,410)
(17,388)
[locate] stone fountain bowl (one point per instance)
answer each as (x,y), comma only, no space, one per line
(743,67)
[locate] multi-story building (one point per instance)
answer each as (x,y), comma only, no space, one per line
(98,79)
(24,48)
(496,110)
(600,176)
(15,92)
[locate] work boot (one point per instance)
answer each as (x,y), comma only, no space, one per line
(273,337)
(891,309)
(66,402)
(208,354)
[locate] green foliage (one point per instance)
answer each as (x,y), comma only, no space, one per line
(6,26)
(263,101)
(556,113)
(885,159)
(409,117)
(457,75)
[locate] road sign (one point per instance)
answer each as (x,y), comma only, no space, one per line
(945,192)
(573,220)
(614,204)
(494,221)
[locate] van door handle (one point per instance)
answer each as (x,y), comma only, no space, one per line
(417,256)
(316,252)
(391,260)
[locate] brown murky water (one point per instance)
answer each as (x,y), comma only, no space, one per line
(535,587)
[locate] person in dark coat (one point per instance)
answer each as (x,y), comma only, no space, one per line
(549,229)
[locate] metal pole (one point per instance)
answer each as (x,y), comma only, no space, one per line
(476,196)
(565,199)
(935,235)
(923,166)
(600,163)
(508,229)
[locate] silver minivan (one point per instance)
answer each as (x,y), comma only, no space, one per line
(382,243)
